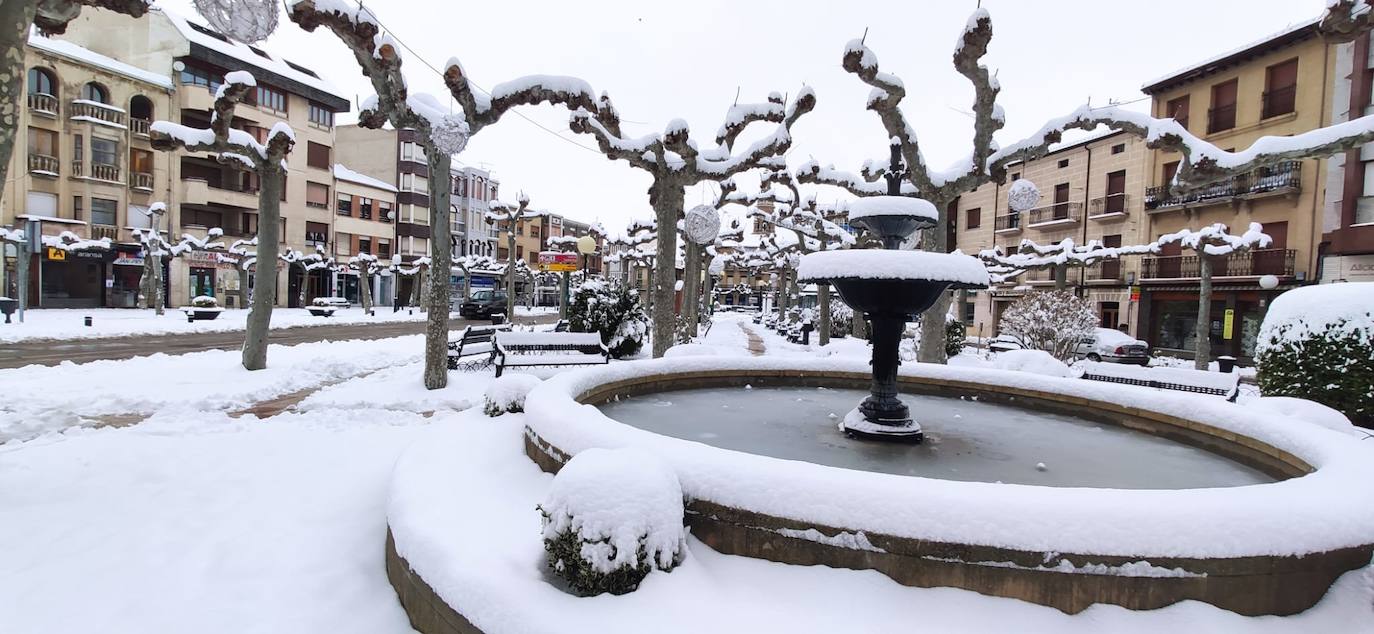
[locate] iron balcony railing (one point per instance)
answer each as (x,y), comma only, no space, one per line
(1056,213)
(1009,222)
(1245,264)
(1107,270)
(43,163)
(1108,205)
(1286,176)
(1279,101)
(104,231)
(1221,118)
(39,102)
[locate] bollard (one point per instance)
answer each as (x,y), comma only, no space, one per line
(190,317)
(88,321)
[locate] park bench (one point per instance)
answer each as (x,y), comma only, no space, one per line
(527,349)
(1225,384)
(475,340)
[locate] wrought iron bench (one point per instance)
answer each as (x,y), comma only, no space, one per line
(476,340)
(527,349)
(1181,379)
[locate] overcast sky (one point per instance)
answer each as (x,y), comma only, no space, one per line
(687,59)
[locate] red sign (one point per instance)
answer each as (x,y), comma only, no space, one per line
(557,261)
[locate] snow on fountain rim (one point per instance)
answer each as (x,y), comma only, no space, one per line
(1321,511)
(891,264)
(893,206)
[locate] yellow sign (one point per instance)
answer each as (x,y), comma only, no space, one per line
(557,267)
(56,254)
(1226,326)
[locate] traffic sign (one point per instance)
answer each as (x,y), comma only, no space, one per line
(557,261)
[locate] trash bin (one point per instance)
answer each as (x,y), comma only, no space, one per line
(498,318)
(1226,363)
(806,333)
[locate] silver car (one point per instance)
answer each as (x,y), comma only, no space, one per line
(1112,346)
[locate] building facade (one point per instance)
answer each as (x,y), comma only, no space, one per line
(364,222)
(1346,250)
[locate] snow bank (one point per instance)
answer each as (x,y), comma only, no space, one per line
(507,393)
(1331,308)
(1301,409)
(69,323)
(1034,361)
(883,264)
(1330,508)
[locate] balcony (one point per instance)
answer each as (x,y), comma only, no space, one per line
(1279,101)
(139,180)
(1065,213)
(43,104)
(104,172)
(1283,178)
(140,126)
(1252,263)
(100,113)
(43,164)
(198,191)
(1010,223)
(1104,272)
(104,231)
(1109,206)
(1221,118)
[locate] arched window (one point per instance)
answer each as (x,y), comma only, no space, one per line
(41,82)
(95,92)
(141,107)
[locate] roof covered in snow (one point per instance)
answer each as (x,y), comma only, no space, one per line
(86,56)
(342,173)
(1291,34)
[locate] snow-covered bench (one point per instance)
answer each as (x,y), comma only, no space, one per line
(525,349)
(475,340)
(1198,381)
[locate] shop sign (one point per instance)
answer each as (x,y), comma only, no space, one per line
(56,255)
(125,259)
(557,262)
(1135,293)
(1228,323)
(91,255)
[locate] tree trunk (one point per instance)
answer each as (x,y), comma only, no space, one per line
(265,277)
(243,286)
(305,284)
(691,286)
(1202,355)
(145,286)
(932,344)
(1061,277)
(510,270)
(441,259)
(823,291)
(417,286)
(16,16)
(666,199)
(467,284)
(365,290)
(159,298)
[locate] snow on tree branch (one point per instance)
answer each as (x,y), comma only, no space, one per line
(52,16)
(1345,20)
(229,144)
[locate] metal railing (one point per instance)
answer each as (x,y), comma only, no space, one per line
(1221,118)
(140,180)
(1107,270)
(39,102)
(1108,205)
(1009,222)
(104,231)
(42,163)
(1279,101)
(140,126)
(1286,176)
(1249,263)
(1056,213)
(97,111)
(101,171)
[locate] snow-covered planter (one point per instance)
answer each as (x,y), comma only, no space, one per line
(611,517)
(321,307)
(1317,343)
(507,394)
(612,310)
(203,307)
(204,301)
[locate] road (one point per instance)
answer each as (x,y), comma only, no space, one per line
(14,355)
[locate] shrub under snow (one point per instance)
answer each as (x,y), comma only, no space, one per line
(1034,361)
(1053,321)
(611,517)
(612,310)
(507,394)
(841,317)
(204,301)
(1317,343)
(955,337)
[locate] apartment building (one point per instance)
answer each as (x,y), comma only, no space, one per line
(1278,86)
(364,222)
(1346,250)
(473,192)
(83,164)
(1090,192)
(205,193)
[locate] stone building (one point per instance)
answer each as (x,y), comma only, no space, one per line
(1346,250)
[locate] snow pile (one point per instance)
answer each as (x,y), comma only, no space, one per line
(875,264)
(692,350)
(611,516)
(1035,361)
(1309,411)
(507,394)
(892,206)
(1333,309)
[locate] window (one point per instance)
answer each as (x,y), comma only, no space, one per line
(461,187)
(1170,169)
(970,308)
(316,233)
(1178,109)
(103,211)
(193,76)
(412,152)
(1015,176)
(519,252)
(1116,193)
(1364,208)
(271,99)
(317,195)
(1222,115)
(973,218)
(364,244)
(343,243)
(139,218)
(383,248)
(41,82)
(365,208)
(140,108)
(384,211)
(320,115)
(1280,88)
(1063,163)
(345,205)
(78,150)
(317,155)
(41,204)
(414,183)
(95,92)
(104,151)
(44,144)
(141,162)
(77,208)
(192,217)
(1118,148)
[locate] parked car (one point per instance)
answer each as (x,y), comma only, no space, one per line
(1112,346)
(1003,343)
(484,304)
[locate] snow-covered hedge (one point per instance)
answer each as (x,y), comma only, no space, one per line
(841,318)
(612,310)
(611,517)
(955,338)
(1053,321)
(204,301)
(507,394)
(1317,343)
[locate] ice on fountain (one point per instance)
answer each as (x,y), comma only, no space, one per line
(892,206)
(882,264)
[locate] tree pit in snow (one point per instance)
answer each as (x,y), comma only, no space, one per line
(507,394)
(611,517)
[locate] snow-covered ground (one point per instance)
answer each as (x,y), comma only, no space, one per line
(68,323)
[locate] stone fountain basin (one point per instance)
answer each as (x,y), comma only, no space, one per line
(1261,549)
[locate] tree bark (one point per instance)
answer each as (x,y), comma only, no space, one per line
(1202,354)
(666,199)
(265,277)
(441,258)
(1061,277)
(365,289)
(159,298)
(510,269)
(823,291)
(16,16)
(691,286)
(932,344)
(243,286)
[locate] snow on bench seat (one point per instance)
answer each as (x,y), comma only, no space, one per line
(561,358)
(549,338)
(1219,383)
(524,349)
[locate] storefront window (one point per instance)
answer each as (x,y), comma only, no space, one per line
(202,282)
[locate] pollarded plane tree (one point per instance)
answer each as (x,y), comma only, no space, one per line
(233,146)
(1201,164)
(694,255)
(157,249)
(441,133)
(365,265)
(674,162)
(508,218)
(1032,256)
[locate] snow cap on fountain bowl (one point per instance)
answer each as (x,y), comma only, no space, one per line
(893,218)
